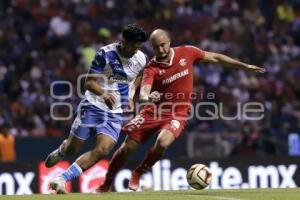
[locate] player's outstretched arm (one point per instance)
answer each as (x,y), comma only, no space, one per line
(226,60)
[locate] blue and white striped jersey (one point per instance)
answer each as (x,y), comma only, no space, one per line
(117,75)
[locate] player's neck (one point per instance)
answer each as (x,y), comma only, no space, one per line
(122,52)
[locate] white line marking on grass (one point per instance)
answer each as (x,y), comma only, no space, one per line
(219,197)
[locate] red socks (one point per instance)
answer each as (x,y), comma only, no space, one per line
(151,158)
(116,163)
(118,160)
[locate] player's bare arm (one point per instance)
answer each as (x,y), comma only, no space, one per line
(92,85)
(226,60)
(132,91)
(135,85)
(146,96)
(145,92)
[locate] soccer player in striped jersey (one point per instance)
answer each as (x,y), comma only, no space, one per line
(110,85)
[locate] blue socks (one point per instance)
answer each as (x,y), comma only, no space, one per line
(72,172)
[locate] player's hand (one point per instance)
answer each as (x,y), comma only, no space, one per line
(154,96)
(256,69)
(130,106)
(110,101)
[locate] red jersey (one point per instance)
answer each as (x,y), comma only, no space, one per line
(174,80)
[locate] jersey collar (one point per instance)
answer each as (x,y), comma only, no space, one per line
(165,63)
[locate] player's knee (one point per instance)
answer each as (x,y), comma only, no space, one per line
(129,147)
(103,150)
(70,149)
(163,143)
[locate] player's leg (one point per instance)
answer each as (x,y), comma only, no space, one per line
(117,162)
(139,130)
(78,134)
(104,145)
(91,121)
(170,130)
(70,146)
(163,141)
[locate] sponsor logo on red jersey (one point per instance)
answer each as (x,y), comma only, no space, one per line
(175,77)
(182,62)
(161,72)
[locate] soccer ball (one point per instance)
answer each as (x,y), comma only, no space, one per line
(198,176)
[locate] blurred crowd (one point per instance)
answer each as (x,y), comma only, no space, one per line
(43,41)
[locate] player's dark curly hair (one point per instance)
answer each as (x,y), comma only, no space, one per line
(133,33)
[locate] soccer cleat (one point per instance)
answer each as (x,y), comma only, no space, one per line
(134,182)
(58,184)
(106,186)
(53,158)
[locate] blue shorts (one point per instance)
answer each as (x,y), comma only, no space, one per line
(91,120)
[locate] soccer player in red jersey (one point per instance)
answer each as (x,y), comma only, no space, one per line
(170,76)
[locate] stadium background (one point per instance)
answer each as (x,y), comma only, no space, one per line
(46,41)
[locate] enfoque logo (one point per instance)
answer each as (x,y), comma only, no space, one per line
(205,109)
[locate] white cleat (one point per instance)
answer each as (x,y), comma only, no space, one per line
(58,184)
(53,158)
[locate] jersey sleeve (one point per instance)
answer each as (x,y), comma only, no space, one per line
(98,63)
(197,54)
(148,76)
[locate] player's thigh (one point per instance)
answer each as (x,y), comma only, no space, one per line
(129,145)
(141,128)
(110,124)
(174,126)
(78,135)
(165,138)
(170,130)
(104,143)
(73,144)
(87,117)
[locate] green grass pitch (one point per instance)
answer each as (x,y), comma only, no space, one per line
(244,194)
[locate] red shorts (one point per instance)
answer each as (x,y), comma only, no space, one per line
(144,125)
